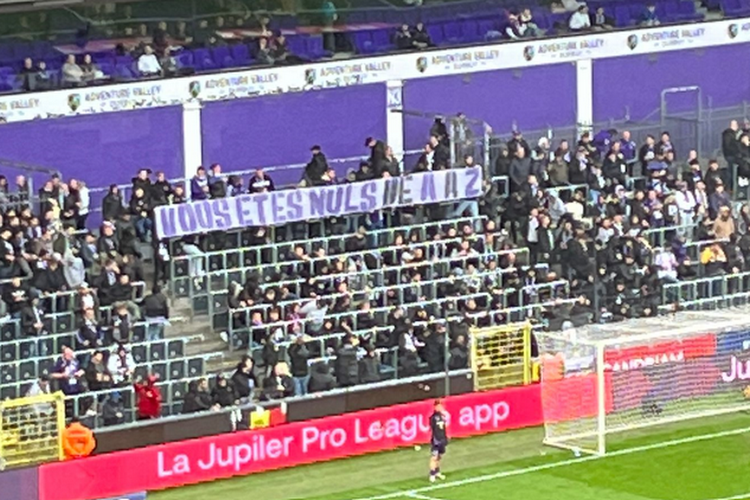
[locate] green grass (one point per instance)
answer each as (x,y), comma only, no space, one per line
(497,467)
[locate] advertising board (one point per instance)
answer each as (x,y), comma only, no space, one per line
(247,452)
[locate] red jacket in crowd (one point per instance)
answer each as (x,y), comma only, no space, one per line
(148,398)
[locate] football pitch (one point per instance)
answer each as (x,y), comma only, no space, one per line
(705,459)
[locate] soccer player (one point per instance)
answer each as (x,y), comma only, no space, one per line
(438,442)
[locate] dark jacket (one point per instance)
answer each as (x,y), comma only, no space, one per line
(321,378)
(278,387)
(520,168)
(347,369)
(298,355)
(369,369)
(243,384)
(224,396)
(111,207)
(459,357)
(196,400)
(155,306)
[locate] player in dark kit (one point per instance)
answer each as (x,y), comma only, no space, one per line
(439,441)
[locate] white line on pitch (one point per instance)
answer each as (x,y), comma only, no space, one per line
(736,497)
(425,497)
(562,463)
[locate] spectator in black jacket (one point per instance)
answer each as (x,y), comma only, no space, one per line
(243,379)
(315,168)
(321,378)
(112,205)
(141,211)
(279,385)
(156,313)
(223,394)
(89,333)
(459,354)
(298,356)
(347,369)
(369,367)
(198,398)
(377,153)
(16,296)
(730,142)
(161,190)
(260,182)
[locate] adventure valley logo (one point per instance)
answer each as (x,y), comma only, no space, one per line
(311,75)
(422,64)
(529,52)
(74,101)
(194,88)
(632,42)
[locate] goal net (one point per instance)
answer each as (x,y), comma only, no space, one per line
(501,356)
(31,430)
(606,379)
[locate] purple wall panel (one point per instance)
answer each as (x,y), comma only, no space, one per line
(279,130)
(20,484)
(100,149)
(531,97)
(723,73)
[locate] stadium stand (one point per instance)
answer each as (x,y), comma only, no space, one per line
(607,231)
(117,47)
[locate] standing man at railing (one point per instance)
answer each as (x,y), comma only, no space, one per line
(156,314)
(199,188)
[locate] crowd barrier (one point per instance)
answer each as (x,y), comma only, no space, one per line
(247,452)
(336,402)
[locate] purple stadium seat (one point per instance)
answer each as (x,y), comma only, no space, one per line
(362,42)
(297,44)
(381,40)
(486,26)
(185,59)
(222,57)
(241,54)
(622,16)
(436,33)
(541,19)
(314,47)
(470,31)
(107,68)
(124,72)
(202,60)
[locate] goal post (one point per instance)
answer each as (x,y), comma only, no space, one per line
(608,379)
(31,430)
(501,355)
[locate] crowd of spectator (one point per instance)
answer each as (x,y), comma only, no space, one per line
(585,213)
